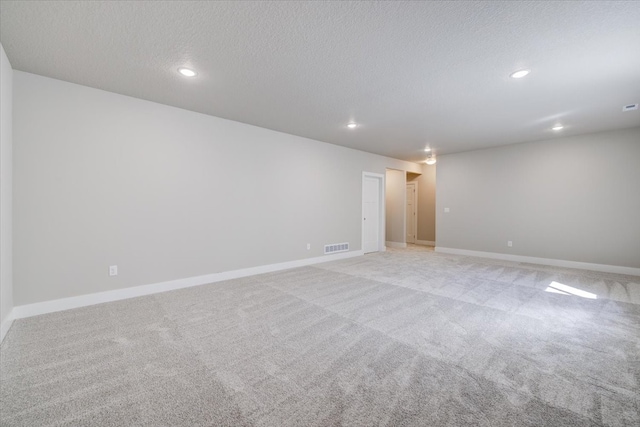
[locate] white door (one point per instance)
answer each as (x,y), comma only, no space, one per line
(411,212)
(371,214)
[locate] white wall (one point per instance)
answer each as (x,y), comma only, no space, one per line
(165,193)
(6,206)
(573,198)
(395,206)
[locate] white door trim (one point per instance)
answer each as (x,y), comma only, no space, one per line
(381,213)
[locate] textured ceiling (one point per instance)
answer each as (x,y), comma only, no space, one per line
(411,73)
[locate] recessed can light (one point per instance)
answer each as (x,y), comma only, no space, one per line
(519,74)
(352,125)
(557,127)
(187,72)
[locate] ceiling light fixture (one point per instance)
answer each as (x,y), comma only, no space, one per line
(187,72)
(427,149)
(430,160)
(352,125)
(557,127)
(519,74)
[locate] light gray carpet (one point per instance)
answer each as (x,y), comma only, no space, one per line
(402,338)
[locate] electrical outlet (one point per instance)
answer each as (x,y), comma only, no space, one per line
(446,210)
(113,270)
(510,243)
(308,246)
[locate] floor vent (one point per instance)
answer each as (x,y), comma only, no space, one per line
(337,247)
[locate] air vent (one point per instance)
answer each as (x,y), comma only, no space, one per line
(336,247)
(630,107)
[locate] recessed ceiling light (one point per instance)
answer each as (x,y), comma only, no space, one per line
(427,149)
(352,125)
(519,74)
(557,127)
(187,72)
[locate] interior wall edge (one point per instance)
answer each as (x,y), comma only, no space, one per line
(5,325)
(7,298)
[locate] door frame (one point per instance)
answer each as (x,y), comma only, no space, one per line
(381,209)
(415,209)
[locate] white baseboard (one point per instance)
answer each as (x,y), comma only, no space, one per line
(396,245)
(44,307)
(544,261)
(425,243)
(5,325)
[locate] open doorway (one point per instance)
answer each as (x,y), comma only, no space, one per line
(425,205)
(395,208)
(410,207)
(411,211)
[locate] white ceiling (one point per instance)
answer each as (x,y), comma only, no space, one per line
(410,73)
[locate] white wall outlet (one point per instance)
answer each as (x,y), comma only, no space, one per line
(446,210)
(113,270)
(308,246)
(509,243)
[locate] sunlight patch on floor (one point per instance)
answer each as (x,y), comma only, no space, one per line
(559,288)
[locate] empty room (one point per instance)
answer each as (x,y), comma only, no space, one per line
(320,213)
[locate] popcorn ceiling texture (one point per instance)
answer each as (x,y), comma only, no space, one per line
(407,337)
(411,73)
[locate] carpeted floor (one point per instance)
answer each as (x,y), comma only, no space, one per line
(402,338)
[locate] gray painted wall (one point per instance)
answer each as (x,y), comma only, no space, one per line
(395,205)
(6,173)
(165,193)
(573,198)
